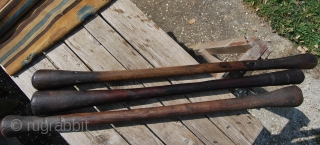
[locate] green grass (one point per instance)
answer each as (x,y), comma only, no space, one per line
(299,21)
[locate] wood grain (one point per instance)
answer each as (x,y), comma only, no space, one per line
(235,45)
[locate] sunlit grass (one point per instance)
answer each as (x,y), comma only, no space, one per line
(299,21)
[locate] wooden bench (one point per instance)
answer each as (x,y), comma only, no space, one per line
(121,37)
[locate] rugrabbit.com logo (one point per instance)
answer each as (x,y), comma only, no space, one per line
(45,127)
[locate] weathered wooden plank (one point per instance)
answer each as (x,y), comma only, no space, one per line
(131,59)
(160,50)
(266,53)
(210,59)
(220,44)
(235,45)
(215,44)
(258,49)
(23,78)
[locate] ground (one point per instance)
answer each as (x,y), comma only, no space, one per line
(219,20)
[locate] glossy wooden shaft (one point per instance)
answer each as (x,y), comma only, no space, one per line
(285,97)
(44,79)
(46,102)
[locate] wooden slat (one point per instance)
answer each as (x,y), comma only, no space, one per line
(266,53)
(235,45)
(210,59)
(258,49)
(23,78)
(130,59)
(160,50)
